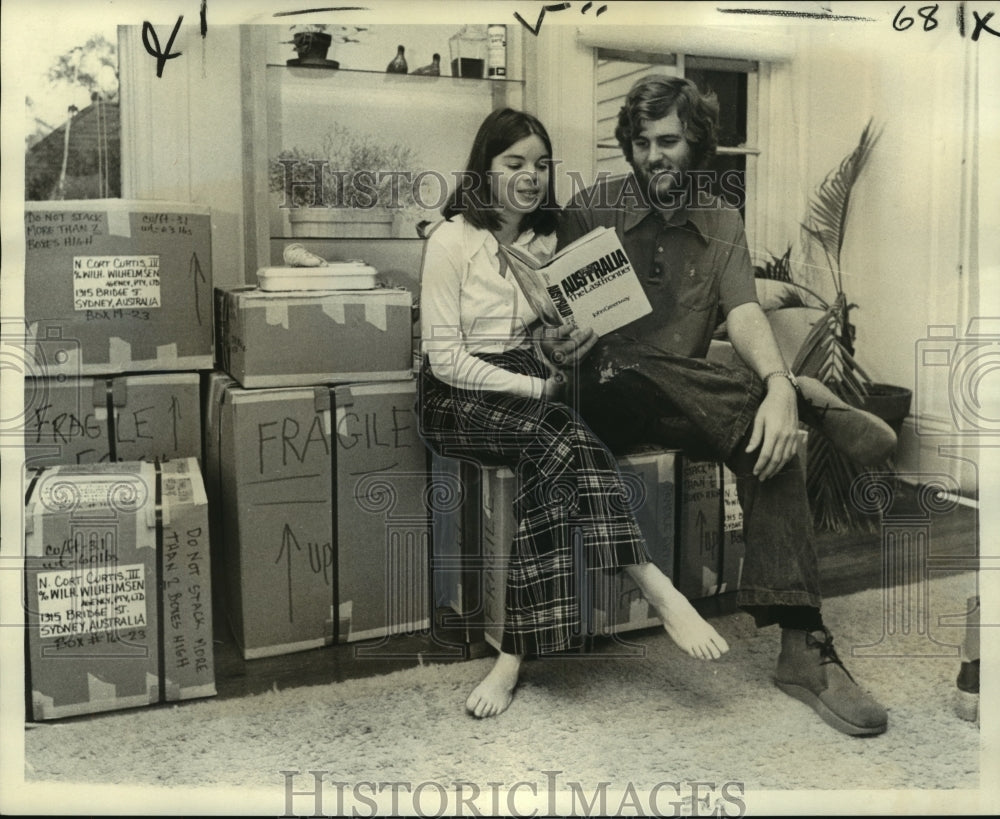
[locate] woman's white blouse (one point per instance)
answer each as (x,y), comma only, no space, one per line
(467,307)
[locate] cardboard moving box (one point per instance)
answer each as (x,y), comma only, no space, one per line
(299,338)
(113,285)
(141,417)
(321,493)
(701,552)
(455,511)
(117,587)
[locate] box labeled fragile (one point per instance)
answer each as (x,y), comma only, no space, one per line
(141,417)
(321,494)
(276,512)
(115,285)
(296,338)
(117,587)
(382,520)
(612,602)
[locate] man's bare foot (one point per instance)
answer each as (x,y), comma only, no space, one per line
(685,626)
(494,693)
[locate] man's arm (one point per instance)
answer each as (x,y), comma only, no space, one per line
(775,428)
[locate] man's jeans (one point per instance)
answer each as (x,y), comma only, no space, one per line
(631,393)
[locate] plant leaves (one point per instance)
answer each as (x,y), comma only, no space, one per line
(776,268)
(829,207)
(829,477)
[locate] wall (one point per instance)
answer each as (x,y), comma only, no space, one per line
(906,262)
(902,256)
(183,131)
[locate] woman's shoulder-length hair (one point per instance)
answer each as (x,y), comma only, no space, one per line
(474,197)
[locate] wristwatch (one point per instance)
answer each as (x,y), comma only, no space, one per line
(784,374)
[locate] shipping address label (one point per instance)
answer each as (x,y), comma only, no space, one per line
(91,600)
(114,282)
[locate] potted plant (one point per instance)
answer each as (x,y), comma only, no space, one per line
(362,189)
(312,42)
(825,339)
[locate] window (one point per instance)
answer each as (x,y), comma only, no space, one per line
(733,81)
(73,145)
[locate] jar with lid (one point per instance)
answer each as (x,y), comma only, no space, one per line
(468,52)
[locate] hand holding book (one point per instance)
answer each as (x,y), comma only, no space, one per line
(589,284)
(566,346)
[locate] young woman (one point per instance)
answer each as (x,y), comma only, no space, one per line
(488,393)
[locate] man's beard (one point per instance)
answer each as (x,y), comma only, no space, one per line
(664,189)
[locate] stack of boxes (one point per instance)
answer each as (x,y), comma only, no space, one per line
(316,486)
(118,326)
(315,470)
(119,587)
(118,307)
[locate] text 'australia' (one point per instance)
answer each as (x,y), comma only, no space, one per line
(595,274)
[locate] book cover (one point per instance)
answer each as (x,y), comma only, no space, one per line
(588,284)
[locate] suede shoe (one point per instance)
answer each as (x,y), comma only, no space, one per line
(810,670)
(967,696)
(864,438)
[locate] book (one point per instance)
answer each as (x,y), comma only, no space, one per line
(590,283)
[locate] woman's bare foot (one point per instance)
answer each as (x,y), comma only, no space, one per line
(685,626)
(494,693)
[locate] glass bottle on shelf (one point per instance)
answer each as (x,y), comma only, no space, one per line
(398,64)
(496,35)
(432,70)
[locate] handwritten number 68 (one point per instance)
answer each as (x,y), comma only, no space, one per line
(901,23)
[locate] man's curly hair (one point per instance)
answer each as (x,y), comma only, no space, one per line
(653,97)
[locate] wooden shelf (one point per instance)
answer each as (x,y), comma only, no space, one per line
(389,123)
(320,72)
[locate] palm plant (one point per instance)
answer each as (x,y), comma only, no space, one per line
(826,223)
(828,352)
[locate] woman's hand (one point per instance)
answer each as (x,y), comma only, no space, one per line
(564,346)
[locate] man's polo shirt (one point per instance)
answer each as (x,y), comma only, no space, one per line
(691,261)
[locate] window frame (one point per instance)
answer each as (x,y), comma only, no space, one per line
(676,63)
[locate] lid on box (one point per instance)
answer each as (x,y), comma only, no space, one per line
(332,276)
